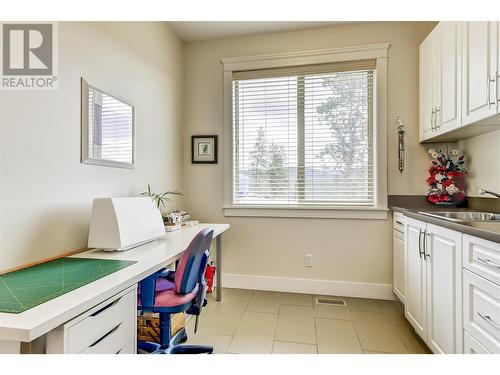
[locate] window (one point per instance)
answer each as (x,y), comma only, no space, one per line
(305,136)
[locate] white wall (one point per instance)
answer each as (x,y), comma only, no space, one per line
(344,250)
(483,154)
(46,192)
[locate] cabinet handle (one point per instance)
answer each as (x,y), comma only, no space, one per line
(398,222)
(432,119)
(426,253)
(106,335)
(488,319)
(102,309)
(437,125)
(488,262)
(491,88)
(420,243)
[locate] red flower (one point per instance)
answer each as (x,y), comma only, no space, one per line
(432,179)
(447,182)
(452,174)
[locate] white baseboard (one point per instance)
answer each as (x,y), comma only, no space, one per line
(309,286)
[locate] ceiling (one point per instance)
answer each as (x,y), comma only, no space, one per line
(191,31)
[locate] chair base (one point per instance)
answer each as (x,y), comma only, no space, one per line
(174,347)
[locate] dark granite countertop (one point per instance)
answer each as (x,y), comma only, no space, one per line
(412,206)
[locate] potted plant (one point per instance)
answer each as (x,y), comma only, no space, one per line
(446,178)
(160,199)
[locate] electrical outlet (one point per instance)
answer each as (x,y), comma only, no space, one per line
(309,260)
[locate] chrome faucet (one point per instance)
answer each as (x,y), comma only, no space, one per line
(483,192)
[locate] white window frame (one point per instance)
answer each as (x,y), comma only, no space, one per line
(375,51)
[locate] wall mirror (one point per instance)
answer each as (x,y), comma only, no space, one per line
(108,128)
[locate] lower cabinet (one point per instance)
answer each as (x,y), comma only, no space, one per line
(433,285)
(471,346)
(108,328)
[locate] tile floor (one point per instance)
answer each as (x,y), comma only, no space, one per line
(247,321)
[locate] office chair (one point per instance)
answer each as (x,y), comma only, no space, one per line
(168,292)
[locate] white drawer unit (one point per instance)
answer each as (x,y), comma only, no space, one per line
(471,346)
(398,256)
(107,328)
(482,257)
(481,309)
(398,222)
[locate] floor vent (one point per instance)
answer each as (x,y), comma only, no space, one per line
(330,301)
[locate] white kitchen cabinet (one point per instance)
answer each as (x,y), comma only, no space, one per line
(448,113)
(471,346)
(479,70)
(459,81)
(415,277)
(433,286)
(398,248)
(443,289)
(440,73)
(428,84)
(482,311)
(481,295)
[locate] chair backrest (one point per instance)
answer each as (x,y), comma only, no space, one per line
(188,268)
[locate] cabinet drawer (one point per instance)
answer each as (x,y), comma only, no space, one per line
(471,346)
(482,310)
(107,316)
(107,327)
(398,221)
(115,340)
(482,257)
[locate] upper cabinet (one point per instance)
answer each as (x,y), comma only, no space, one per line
(480,70)
(428,84)
(459,73)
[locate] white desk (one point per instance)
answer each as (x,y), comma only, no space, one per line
(151,257)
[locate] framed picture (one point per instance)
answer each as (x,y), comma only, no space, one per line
(204,149)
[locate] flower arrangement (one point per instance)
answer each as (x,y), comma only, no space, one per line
(446,178)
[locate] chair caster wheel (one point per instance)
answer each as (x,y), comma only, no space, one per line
(204,302)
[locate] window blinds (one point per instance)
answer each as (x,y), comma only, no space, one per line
(304,135)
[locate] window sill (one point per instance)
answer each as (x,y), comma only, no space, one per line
(348,212)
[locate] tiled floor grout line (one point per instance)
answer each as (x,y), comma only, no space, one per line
(386,313)
(241,318)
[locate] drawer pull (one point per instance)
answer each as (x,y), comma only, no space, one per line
(488,263)
(488,319)
(106,335)
(98,312)
(400,223)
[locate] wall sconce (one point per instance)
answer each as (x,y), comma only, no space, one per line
(401,144)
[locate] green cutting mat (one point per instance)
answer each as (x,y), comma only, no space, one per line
(21,290)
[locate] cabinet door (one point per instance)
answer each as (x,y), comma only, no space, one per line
(479,70)
(444,294)
(398,245)
(415,306)
(448,113)
(427,91)
(498,65)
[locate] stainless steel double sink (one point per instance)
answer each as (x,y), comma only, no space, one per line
(463,216)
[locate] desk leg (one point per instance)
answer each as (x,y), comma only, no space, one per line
(218,241)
